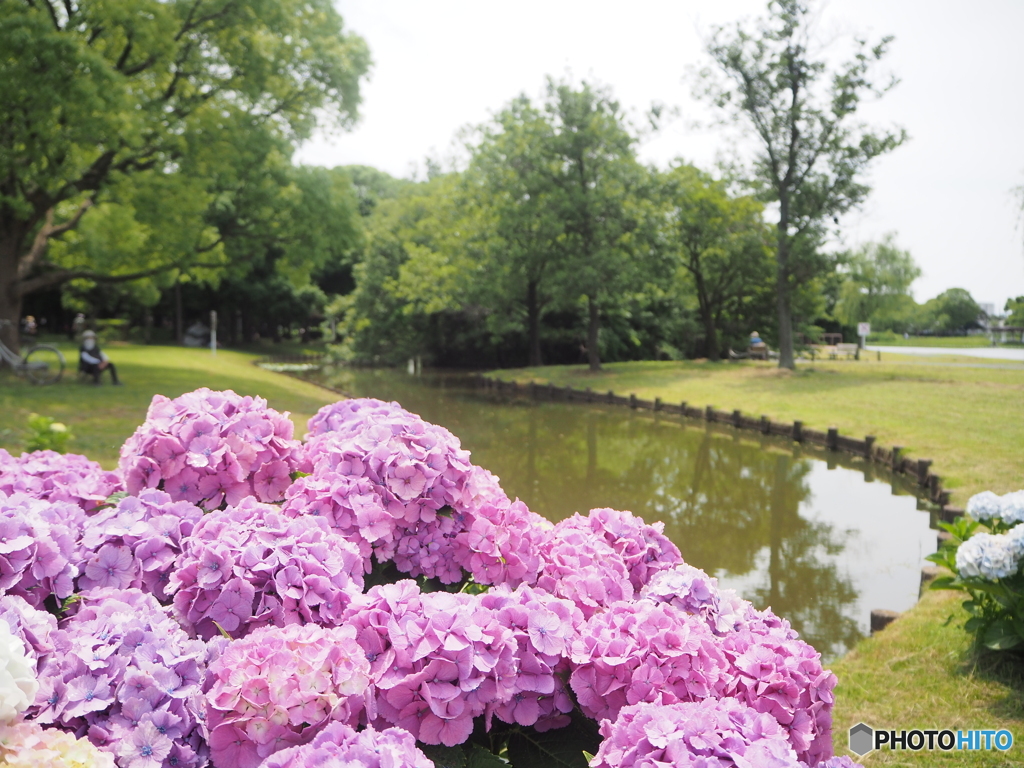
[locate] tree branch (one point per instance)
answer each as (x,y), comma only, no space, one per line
(24,287)
(42,238)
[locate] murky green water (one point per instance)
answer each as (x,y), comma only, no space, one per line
(821,543)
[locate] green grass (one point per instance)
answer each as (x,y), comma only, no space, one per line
(968,420)
(932,341)
(101,418)
(921,672)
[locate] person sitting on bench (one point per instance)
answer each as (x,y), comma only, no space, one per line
(93,361)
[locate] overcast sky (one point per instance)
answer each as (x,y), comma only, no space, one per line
(441,65)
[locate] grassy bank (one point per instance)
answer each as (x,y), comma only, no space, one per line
(931,341)
(101,418)
(920,672)
(969,421)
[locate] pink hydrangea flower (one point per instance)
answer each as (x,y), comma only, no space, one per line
(340,745)
(212,449)
(51,476)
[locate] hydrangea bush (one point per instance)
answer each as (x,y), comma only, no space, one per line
(371,598)
(985,553)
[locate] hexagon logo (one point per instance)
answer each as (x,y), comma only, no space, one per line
(862,739)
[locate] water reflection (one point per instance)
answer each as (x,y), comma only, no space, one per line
(786,531)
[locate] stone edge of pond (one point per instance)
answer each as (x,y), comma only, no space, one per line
(929,483)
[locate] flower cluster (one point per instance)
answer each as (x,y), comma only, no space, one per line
(211,448)
(251,566)
(27,745)
(714,733)
(125,672)
(278,687)
(18,684)
(38,547)
(1008,508)
(51,476)
(690,590)
(544,628)
(404,489)
(773,671)
(991,555)
(584,568)
(642,651)
(644,548)
(437,659)
(32,626)
(350,417)
(339,745)
(134,543)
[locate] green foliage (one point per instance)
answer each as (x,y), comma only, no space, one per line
(812,153)
(996,608)
(146,139)
(876,288)
(952,311)
(1015,308)
(46,434)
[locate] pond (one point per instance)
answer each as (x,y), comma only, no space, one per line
(822,538)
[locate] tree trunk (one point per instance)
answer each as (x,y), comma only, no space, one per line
(708,319)
(593,327)
(179,332)
(533,313)
(10,299)
(783,302)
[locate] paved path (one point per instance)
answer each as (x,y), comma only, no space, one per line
(987,353)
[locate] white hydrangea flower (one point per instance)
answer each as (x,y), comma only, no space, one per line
(991,556)
(985,506)
(18,684)
(1012,507)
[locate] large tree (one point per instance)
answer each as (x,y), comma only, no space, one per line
(811,151)
(718,244)
(601,198)
(142,108)
(877,282)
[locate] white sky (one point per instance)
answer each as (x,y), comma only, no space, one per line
(947,193)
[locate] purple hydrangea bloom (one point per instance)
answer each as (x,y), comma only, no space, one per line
(438,660)
(773,671)
(33,626)
(278,687)
(339,745)
(134,543)
(251,566)
(51,476)
(38,547)
(581,566)
(349,417)
(544,628)
(125,673)
(644,548)
(707,734)
(642,651)
(212,449)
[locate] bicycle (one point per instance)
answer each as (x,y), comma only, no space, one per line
(41,363)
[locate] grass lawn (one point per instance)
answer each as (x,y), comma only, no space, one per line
(932,341)
(920,673)
(101,418)
(968,420)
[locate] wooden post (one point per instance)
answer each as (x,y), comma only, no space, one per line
(709,413)
(611,396)
(766,425)
(737,418)
(657,404)
(798,431)
(896,450)
(551,391)
(590,395)
(869,447)
(682,408)
(922,471)
(832,439)
(880,619)
(568,392)
(632,400)
(934,486)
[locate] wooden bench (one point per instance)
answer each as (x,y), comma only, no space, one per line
(850,350)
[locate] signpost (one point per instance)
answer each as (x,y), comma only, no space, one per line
(863,330)
(213,332)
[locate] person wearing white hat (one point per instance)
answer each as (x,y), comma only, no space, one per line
(93,361)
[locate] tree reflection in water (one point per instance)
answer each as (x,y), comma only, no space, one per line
(730,501)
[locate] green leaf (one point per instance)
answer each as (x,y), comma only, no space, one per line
(442,756)
(1001,636)
(297,474)
(560,748)
(483,758)
(945,582)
